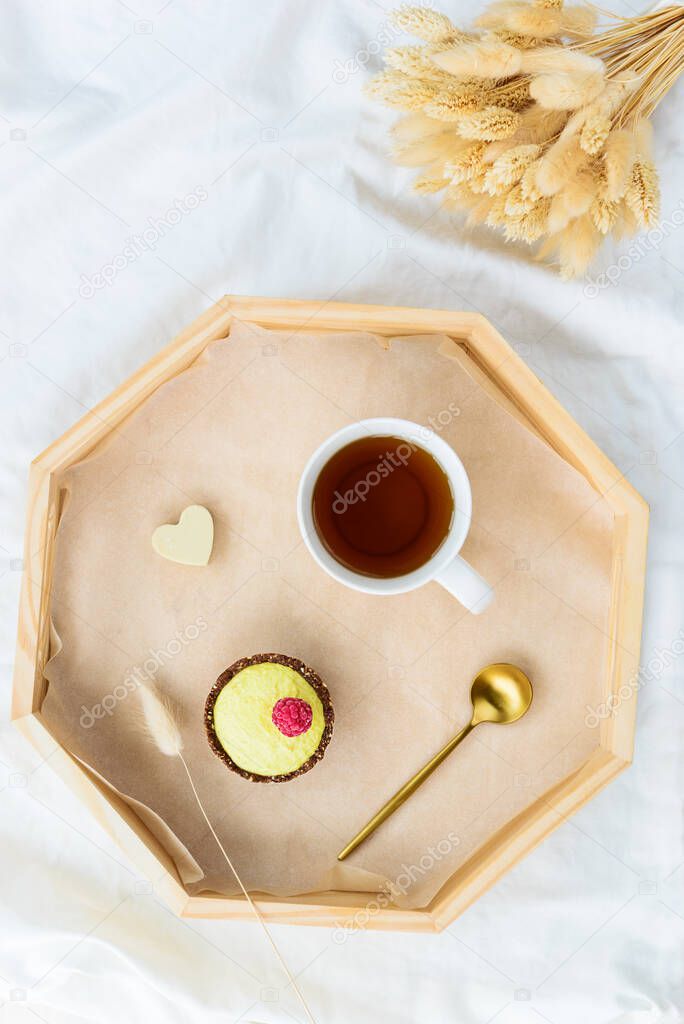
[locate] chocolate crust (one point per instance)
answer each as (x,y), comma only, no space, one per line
(303,670)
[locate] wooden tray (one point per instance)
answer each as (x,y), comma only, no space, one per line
(528,399)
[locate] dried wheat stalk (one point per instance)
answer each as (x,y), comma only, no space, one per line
(533,124)
(160,725)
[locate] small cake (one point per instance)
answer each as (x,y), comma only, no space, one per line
(269,718)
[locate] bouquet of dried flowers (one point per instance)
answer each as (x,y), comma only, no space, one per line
(534,123)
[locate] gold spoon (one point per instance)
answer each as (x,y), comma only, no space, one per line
(501,694)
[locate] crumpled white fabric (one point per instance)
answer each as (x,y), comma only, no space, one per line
(154,156)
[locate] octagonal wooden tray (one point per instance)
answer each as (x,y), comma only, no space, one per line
(530,400)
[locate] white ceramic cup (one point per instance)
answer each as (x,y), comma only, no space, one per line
(446,566)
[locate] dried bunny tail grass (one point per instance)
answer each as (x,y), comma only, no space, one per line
(530,20)
(488,124)
(477,181)
(496,214)
(467,164)
(578,244)
(619,153)
(529,227)
(642,195)
(535,125)
(495,16)
(528,183)
(521,42)
(480,211)
(626,223)
(159,721)
(547,19)
(425,151)
(559,60)
(449,104)
(533,225)
(493,150)
(395,89)
(509,168)
(520,17)
(517,202)
(425,23)
(559,91)
(558,164)
(597,118)
(618,88)
(414,127)
(460,196)
(547,250)
(416,61)
(595,131)
(643,134)
(578,22)
(163,730)
(514,94)
(575,122)
(428,184)
(603,213)
(447,108)
(574,200)
(540,125)
(488,58)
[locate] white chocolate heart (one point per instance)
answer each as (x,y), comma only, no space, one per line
(190,540)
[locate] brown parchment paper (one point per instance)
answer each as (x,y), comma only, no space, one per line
(233,432)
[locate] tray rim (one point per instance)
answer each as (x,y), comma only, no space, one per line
(508,373)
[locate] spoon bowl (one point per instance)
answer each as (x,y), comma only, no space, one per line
(500,693)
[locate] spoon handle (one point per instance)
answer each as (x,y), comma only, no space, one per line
(405,792)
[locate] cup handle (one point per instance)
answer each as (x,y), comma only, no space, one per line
(461,580)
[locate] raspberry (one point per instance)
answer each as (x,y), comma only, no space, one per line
(292,716)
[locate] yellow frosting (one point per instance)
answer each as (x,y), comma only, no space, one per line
(243,725)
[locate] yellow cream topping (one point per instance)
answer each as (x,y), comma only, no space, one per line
(243,723)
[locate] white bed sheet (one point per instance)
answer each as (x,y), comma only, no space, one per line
(112,111)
